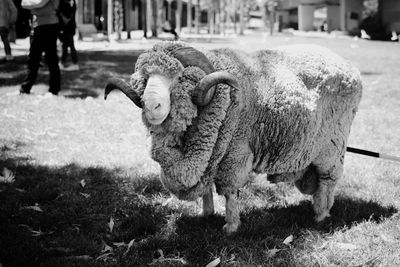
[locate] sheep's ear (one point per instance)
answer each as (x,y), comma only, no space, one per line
(116,83)
(204,92)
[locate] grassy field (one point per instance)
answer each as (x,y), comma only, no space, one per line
(86,192)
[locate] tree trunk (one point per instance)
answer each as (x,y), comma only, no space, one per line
(234,16)
(144,17)
(223,12)
(271,9)
(127,9)
(241,18)
(169,11)
(217,16)
(264,13)
(197,17)
(153,14)
(178,16)
(189,16)
(211,21)
(118,17)
(160,14)
(109,17)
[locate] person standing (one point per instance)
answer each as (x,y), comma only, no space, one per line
(8,17)
(68,29)
(44,39)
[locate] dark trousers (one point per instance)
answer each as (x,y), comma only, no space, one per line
(44,39)
(4,37)
(68,42)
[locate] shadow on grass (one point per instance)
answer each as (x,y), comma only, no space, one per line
(75,216)
(62,213)
(264,229)
(95,68)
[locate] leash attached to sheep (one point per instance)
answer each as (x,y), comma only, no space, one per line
(372,154)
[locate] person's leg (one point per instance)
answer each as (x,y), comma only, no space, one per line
(74,55)
(176,36)
(4,37)
(35,54)
(64,43)
(52,58)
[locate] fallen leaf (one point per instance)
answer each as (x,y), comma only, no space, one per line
(111,224)
(162,259)
(85,195)
(161,253)
(83,183)
(36,233)
(104,257)
(119,244)
(130,244)
(272,252)
(106,248)
(214,262)
(35,208)
(346,246)
(288,240)
(20,190)
(7,176)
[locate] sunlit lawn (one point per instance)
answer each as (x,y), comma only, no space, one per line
(86,192)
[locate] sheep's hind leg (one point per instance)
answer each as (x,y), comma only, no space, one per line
(323,198)
(208,203)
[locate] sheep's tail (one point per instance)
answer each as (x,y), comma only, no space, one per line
(372,154)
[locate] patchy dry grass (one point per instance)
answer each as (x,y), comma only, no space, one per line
(83,161)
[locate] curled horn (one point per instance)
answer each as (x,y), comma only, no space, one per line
(205,90)
(189,56)
(116,83)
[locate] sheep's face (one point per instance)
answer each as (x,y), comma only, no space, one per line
(166,102)
(154,74)
(156,99)
(170,82)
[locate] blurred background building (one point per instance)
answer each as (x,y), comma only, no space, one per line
(102,18)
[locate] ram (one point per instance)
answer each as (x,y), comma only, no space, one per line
(217,117)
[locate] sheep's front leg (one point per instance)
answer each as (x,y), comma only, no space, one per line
(233,173)
(232,216)
(208,203)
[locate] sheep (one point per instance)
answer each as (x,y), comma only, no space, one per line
(218,117)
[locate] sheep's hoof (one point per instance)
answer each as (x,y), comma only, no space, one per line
(319,218)
(230,228)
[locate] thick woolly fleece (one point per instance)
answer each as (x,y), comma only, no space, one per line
(294,107)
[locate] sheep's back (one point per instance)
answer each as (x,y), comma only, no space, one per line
(292,97)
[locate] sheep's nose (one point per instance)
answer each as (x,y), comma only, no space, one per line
(153,107)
